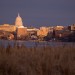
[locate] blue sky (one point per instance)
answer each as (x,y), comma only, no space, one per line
(38,12)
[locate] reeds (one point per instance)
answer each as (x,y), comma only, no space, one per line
(46,60)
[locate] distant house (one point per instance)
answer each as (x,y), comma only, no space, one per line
(32,31)
(7,27)
(62,33)
(43,31)
(59,27)
(72,27)
(21,32)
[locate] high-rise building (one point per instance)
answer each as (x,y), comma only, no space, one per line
(18,22)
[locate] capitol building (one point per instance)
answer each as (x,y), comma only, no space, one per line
(21,31)
(12,28)
(18,22)
(17,28)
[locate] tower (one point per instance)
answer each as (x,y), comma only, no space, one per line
(18,22)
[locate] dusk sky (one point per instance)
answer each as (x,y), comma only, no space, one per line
(38,12)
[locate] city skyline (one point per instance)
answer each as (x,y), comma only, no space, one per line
(38,13)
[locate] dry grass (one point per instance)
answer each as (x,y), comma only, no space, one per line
(37,60)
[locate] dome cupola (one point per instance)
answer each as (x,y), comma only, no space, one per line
(18,21)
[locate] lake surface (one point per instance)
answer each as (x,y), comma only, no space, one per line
(34,43)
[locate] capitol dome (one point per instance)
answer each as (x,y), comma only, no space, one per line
(18,21)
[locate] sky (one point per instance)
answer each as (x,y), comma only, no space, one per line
(38,13)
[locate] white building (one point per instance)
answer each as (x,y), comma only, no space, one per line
(18,22)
